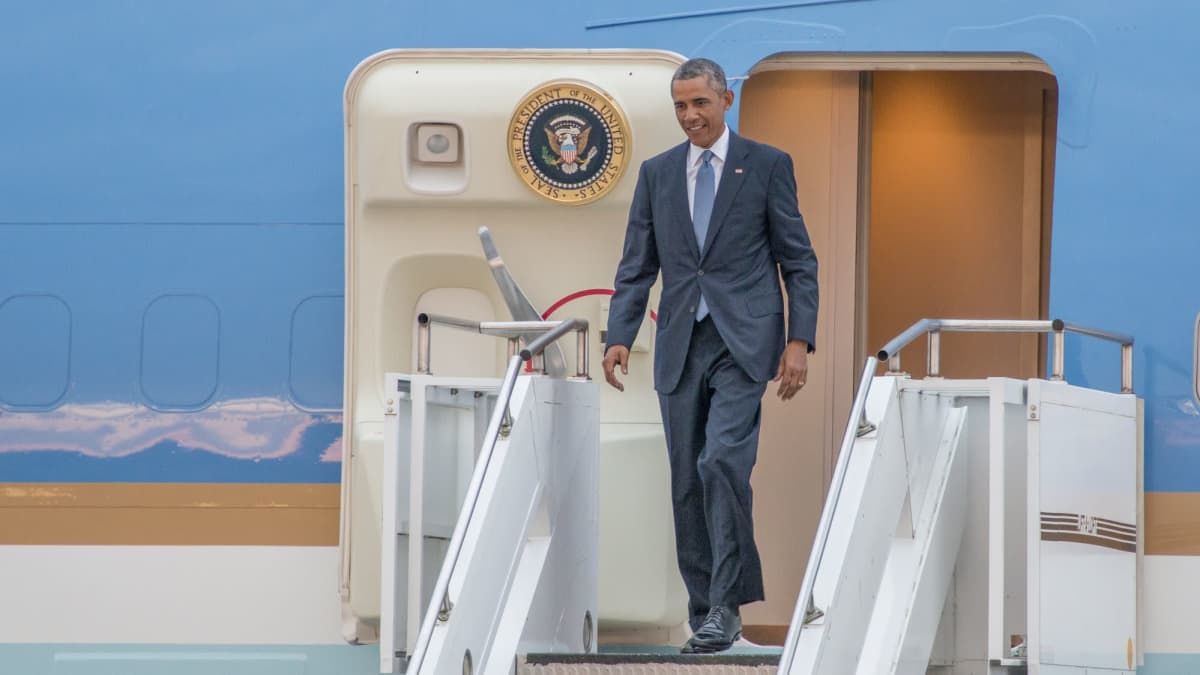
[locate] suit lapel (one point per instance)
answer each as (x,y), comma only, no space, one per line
(677,168)
(732,175)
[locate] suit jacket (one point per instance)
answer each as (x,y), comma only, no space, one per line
(755,236)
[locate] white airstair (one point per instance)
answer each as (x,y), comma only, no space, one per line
(978,526)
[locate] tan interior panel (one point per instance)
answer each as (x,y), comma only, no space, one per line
(956,213)
(813,116)
(934,188)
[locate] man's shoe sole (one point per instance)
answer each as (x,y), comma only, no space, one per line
(704,649)
(695,646)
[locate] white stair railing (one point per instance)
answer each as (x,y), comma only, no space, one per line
(525,537)
(806,611)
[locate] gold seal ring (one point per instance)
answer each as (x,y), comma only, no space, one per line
(569,142)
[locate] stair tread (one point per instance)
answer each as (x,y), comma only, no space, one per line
(738,656)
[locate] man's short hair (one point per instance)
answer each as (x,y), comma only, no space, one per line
(693,68)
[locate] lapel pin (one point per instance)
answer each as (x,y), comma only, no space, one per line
(737,170)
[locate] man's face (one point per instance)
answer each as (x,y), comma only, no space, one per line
(700,109)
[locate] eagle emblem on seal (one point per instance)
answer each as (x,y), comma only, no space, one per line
(567,144)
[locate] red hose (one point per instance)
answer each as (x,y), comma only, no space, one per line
(575,296)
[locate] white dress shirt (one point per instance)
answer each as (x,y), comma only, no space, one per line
(719,149)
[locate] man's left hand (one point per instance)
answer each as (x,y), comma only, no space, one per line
(793,369)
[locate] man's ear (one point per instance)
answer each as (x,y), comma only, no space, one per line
(728,98)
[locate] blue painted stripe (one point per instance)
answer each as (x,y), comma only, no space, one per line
(56,659)
(1171,664)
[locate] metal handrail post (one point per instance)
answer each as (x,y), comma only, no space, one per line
(1127,368)
(581,353)
(423,335)
(933,354)
(1059,356)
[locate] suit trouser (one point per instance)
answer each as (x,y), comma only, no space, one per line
(711,421)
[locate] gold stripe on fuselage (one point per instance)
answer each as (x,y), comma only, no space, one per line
(212,514)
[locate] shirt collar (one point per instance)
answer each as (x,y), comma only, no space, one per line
(719,149)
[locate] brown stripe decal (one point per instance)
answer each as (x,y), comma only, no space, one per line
(1079,528)
(1101,531)
(1087,539)
(1173,523)
(1050,516)
(197,514)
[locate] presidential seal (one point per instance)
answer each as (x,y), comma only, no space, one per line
(568,142)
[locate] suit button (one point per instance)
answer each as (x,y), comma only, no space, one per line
(700,273)
(692,310)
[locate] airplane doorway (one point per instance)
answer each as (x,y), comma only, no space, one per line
(926,184)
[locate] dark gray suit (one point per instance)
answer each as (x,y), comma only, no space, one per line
(711,375)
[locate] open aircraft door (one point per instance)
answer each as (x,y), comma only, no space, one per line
(543,148)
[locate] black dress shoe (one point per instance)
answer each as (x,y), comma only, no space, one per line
(721,628)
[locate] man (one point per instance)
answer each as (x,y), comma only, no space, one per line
(718,216)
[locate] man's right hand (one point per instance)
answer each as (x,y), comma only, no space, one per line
(616,354)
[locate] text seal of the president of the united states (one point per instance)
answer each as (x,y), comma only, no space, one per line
(568,142)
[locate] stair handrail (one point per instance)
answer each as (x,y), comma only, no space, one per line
(935,327)
(857,425)
(515,331)
(440,605)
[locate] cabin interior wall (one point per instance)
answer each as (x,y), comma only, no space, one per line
(953,203)
(957,213)
(812,115)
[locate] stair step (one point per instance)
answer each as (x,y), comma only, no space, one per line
(664,661)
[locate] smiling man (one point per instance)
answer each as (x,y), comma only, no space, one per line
(717,215)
